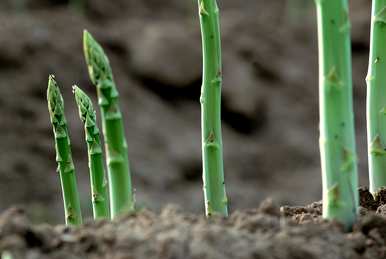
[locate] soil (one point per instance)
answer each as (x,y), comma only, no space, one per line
(268,232)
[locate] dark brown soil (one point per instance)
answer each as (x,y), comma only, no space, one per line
(268,232)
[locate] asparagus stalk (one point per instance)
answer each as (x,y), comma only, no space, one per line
(95,155)
(376,98)
(212,155)
(72,211)
(337,138)
(100,72)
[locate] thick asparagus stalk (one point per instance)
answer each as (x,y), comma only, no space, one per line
(337,138)
(66,169)
(121,195)
(376,98)
(212,154)
(95,154)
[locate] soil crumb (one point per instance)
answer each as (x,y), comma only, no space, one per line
(267,232)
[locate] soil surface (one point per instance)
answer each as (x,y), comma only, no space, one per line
(268,232)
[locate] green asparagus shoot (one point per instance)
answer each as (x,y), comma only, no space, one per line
(337,138)
(376,98)
(100,72)
(72,211)
(95,154)
(216,201)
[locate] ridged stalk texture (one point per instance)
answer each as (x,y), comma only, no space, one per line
(337,138)
(376,98)
(216,201)
(95,155)
(121,194)
(72,210)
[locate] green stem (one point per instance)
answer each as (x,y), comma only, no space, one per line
(121,194)
(212,155)
(376,98)
(66,168)
(337,138)
(95,156)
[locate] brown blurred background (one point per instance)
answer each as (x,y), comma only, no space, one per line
(270,112)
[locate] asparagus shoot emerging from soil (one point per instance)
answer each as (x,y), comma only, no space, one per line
(66,168)
(95,154)
(376,98)
(337,139)
(212,155)
(100,72)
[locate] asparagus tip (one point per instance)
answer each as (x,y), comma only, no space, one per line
(75,89)
(96,59)
(84,103)
(51,84)
(54,98)
(87,38)
(80,96)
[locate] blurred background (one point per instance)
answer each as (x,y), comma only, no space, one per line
(269,112)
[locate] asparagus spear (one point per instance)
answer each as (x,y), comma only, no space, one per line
(337,138)
(121,193)
(95,155)
(212,154)
(72,211)
(376,98)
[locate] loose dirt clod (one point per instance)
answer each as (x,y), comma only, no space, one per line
(366,199)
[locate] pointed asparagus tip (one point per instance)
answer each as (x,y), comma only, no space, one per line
(53,92)
(86,38)
(88,43)
(54,99)
(78,94)
(81,98)
(96,59)
(86,35)
(84,103)
(51,83)
(75,88)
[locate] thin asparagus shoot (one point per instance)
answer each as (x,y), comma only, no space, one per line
(376,98)
(337,138)
(121,194)
(216,201)
(72,210)
(95,154)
